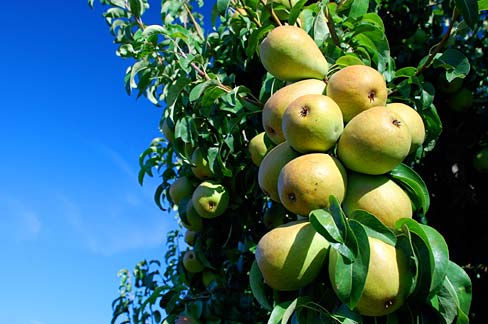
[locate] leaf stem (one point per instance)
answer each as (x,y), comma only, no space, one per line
(330,24)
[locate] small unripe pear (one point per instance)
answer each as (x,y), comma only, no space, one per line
(259,145)
(210,199)
(181,188)
(191,263)
(200,166)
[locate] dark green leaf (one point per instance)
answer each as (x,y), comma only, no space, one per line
(197,91)
(454,62)
(277,313)
(348,59)
(373,226)
(415,187)
(358,8)
(136,7)
(257,286)
(469,11)
(440,253)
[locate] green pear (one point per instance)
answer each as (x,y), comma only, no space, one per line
(291,255)
(414,122)
(312,123)
(210,199)
(290,54)
(191,263)
(480,160)
(192,219)
(208,276)
(200,166)
(258,146)
(388,280)
(167,130)
(378,195)
(275,106)
(190,237)
(374,141)
(356,88)
(181,188)
(270,168)
(448,87)
(306,182)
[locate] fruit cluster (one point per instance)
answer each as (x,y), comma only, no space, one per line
(331,135)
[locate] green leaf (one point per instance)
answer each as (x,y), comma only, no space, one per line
(415,187)
(136,7)
(348,59)
(257,286)
(469,11)
(277,313)
(440,253)
(454,62)
(482,5)
(459,281)
(408,71)
(153,30)
(373,226)
(358,8)
(222,5)
(197,91)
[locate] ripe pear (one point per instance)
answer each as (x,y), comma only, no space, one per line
(414,122)
(193,221)
(291,255)
(270,168)
(306,182)
(275,106)
(191,263)
(210,199)
(200,166)
(374,141)
(312,123)
(258,146)
(378,195)
(388,280)
(181,188)
(356,88)
(290,54)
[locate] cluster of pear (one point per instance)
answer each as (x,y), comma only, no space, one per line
(199,197)
(331,136)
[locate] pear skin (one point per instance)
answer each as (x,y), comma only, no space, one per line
(374,142)
(306,182)
(210,199)
(414,122)
(291,256)
(378,195)
(275,106)
(312,123)
(290,54)
(356,88)
(181,188)
(270,168)
(258,147)
(191,263)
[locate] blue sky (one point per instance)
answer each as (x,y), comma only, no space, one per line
(71,211)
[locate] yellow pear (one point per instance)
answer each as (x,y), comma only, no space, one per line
(374,141)
(312,123)
(275,106)
(356,88)
(210,199)
(290,54)
(270,168)
(378,195)
(258,146)
(414,122)
(306,182)
(291,255)
(388,280)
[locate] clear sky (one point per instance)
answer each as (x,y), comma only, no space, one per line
(71,211)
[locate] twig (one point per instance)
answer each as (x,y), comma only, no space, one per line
(331,26)
(273,14)
(194,22)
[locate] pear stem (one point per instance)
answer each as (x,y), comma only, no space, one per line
(331,26)
(436,48)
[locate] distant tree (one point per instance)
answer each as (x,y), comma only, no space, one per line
(212,87)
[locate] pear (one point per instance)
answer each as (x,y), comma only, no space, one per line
(210,199)
(356,88)
(414,122)
(270,168)
(312,123)
(306,182)
(290,54)
(378,195)
(200,166)
(291,255)
(190,237)
(275,106)
(480,160)
(258,146)
(191,263)
(167,130)
(374,141)
(181,188)
(388,280)
(207,277)
(193,221)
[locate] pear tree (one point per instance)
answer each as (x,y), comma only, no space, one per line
(316,156)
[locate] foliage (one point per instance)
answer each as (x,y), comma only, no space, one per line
(212,86)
